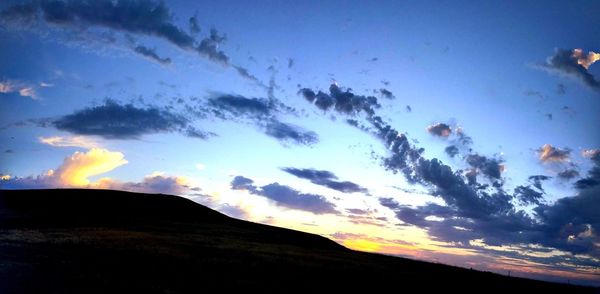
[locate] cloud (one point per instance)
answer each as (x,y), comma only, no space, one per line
(549,153)
(342,101)
(440,129)
(574,64)
(593,154)
(289,133)
(568,174)
(72,141)
(194,26)
(326,179)
(285,196)
(473,212)
(113,120)
(386,93)
(154,183)
(585,60)
(263,114)
(593,175)
(527,195)
(75,170)
(490,167)
(241,106)
(572,223)
(537,180)
(151,54)
(451,150)
(22,88)
(143,17)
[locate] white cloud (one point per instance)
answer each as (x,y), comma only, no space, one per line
(72,141)
(12,86)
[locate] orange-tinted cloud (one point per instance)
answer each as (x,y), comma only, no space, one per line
(77,168)
(549,153)
(75,171)
(585,60)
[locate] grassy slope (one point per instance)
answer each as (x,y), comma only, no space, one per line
(90,241)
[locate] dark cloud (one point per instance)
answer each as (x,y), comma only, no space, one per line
(593,176)
(242,183)
(440,129)
(490,167)
(572,222)
(151,54)
(568,174)
(527,195)
(386,93)
(537,180)
(343,101)
(117,121)
(242,106)
(285,196)
(477,211)
(325,178)
(451,150)
(549,153)
(262,113)
(194,26)
(245,74)
(285,132)
(565,62)
(146,17)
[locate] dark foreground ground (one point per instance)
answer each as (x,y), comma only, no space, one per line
(91,241)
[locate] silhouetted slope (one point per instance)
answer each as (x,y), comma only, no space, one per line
(100,241)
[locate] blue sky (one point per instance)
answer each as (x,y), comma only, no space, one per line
(130,95)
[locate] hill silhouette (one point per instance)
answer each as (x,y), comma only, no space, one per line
(103,241)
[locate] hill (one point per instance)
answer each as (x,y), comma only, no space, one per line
(102,241)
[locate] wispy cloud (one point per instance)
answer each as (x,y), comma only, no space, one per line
(22,88)
(71,141)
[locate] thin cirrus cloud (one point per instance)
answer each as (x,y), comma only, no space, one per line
(472,211)
(326,179)
(285,196)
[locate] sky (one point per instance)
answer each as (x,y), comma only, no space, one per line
(457,132)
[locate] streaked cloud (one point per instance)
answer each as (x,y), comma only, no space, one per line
(326,179)
(71,141)
(113,120)
(286,196)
